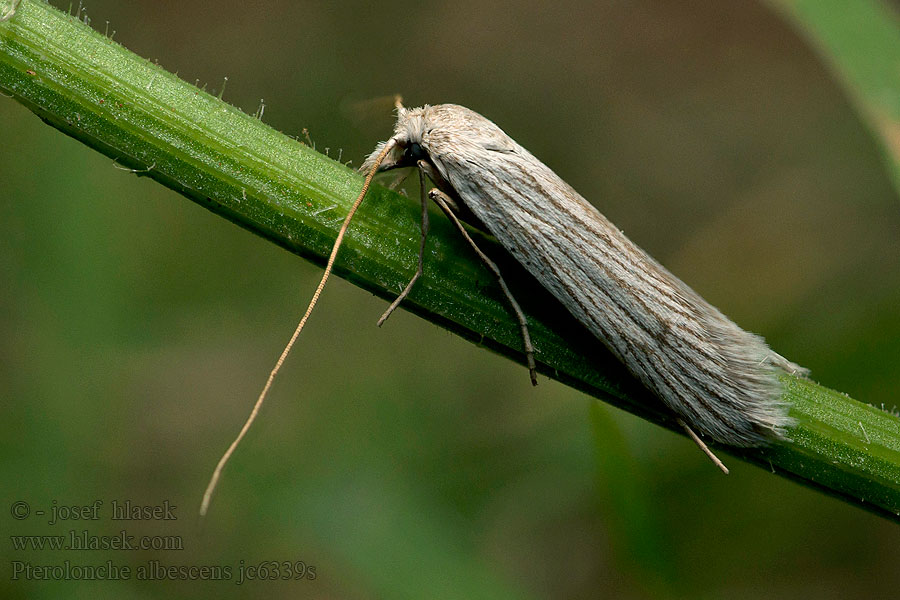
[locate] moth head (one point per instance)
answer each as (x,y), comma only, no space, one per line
(403,154)
(406,154)
(407,144)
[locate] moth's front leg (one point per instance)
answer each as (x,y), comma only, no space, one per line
(447,205)
(420,268)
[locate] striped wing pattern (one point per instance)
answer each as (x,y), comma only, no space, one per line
(719,378)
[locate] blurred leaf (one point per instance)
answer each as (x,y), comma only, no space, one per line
(638,534)
(359,511)
(860,41)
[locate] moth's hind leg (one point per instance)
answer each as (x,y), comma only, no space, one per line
(444,202)
(419,268)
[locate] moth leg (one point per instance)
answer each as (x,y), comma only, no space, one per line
(397,181)
(703,446)
(444,202)
(419,269)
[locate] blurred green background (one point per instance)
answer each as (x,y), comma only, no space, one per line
(403,462)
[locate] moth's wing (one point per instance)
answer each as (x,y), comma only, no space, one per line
(720,379)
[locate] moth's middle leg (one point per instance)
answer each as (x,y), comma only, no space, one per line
(445,202)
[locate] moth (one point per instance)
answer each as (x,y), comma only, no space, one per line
(719,380)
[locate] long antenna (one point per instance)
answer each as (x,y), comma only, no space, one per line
(214,480)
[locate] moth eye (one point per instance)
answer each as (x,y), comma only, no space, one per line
(414,153)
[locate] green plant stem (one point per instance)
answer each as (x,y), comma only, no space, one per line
(148,120)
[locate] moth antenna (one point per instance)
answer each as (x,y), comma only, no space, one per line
(703,446)
(398,102)
(214,480)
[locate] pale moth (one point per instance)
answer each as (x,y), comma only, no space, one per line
(719,380)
